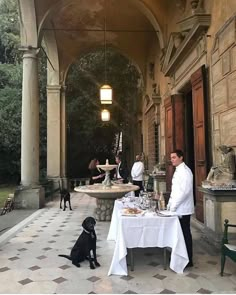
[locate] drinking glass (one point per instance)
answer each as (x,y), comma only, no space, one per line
(153,205)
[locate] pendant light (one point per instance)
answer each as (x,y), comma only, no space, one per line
(105,115)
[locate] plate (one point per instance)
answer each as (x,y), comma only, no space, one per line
(163,215)
(166,213)
(131,211)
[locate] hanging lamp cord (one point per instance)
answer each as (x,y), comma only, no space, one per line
(105,44)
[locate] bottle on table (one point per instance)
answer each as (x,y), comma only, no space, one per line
(162,205)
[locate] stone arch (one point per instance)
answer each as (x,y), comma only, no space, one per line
(150,16)
(28,25)
(89,50)
(141,6)
(53,72)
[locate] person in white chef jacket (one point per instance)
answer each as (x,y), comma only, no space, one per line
(137,174)
(181,198)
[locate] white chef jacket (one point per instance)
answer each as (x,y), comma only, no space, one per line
(137,171)
(181,197)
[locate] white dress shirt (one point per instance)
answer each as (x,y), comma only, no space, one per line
(137,171)
(181,197)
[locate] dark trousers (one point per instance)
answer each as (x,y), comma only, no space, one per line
(140,184)
(185,225)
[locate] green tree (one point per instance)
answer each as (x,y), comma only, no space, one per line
(10,94)
(10,35)
(10,86)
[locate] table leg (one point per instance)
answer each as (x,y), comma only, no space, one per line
(131,258)
(164,258)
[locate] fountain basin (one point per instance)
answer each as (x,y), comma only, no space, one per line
(100,191)
(107,167)
(105,196)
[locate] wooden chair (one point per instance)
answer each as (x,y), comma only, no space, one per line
(227,249)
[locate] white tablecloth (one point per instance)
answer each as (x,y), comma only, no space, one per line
(142,232)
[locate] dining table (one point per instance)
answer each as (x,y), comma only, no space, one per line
(143,230)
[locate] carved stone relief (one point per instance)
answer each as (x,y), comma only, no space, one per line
(181,5)
(191,36)
(197,6)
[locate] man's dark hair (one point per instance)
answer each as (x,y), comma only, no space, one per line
(179,153)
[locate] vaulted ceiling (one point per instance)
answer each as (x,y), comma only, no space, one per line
(78,26)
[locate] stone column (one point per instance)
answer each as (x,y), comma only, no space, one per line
(30,194)
(63,138)
(54,133)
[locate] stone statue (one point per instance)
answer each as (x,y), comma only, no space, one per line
(197,6)
(225,171)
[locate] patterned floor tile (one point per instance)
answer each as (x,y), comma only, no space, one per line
(41,257)
(159,277)
(93,279)
(192,275)
(35,267)
(64,267)
(4,269)
(60,280)
(13,258)
(166,291)
(22,249)
(204,291)
(127,278)
(47,248)
(153,263)
(25,282)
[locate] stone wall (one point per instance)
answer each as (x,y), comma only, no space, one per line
(223,80)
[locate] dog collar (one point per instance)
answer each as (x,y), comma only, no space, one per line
(86,231)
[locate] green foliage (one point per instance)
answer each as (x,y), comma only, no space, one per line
(11,92)
(10,35)
(10,119)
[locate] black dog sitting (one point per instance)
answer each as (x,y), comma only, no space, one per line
(84,245)
(65,195)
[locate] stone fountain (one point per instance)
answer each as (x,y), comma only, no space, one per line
(106,193)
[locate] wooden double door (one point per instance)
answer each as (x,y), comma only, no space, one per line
(186,129)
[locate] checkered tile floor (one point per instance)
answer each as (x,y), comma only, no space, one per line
(29,261)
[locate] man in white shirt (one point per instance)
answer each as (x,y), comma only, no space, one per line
(181,197)
(137,174)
